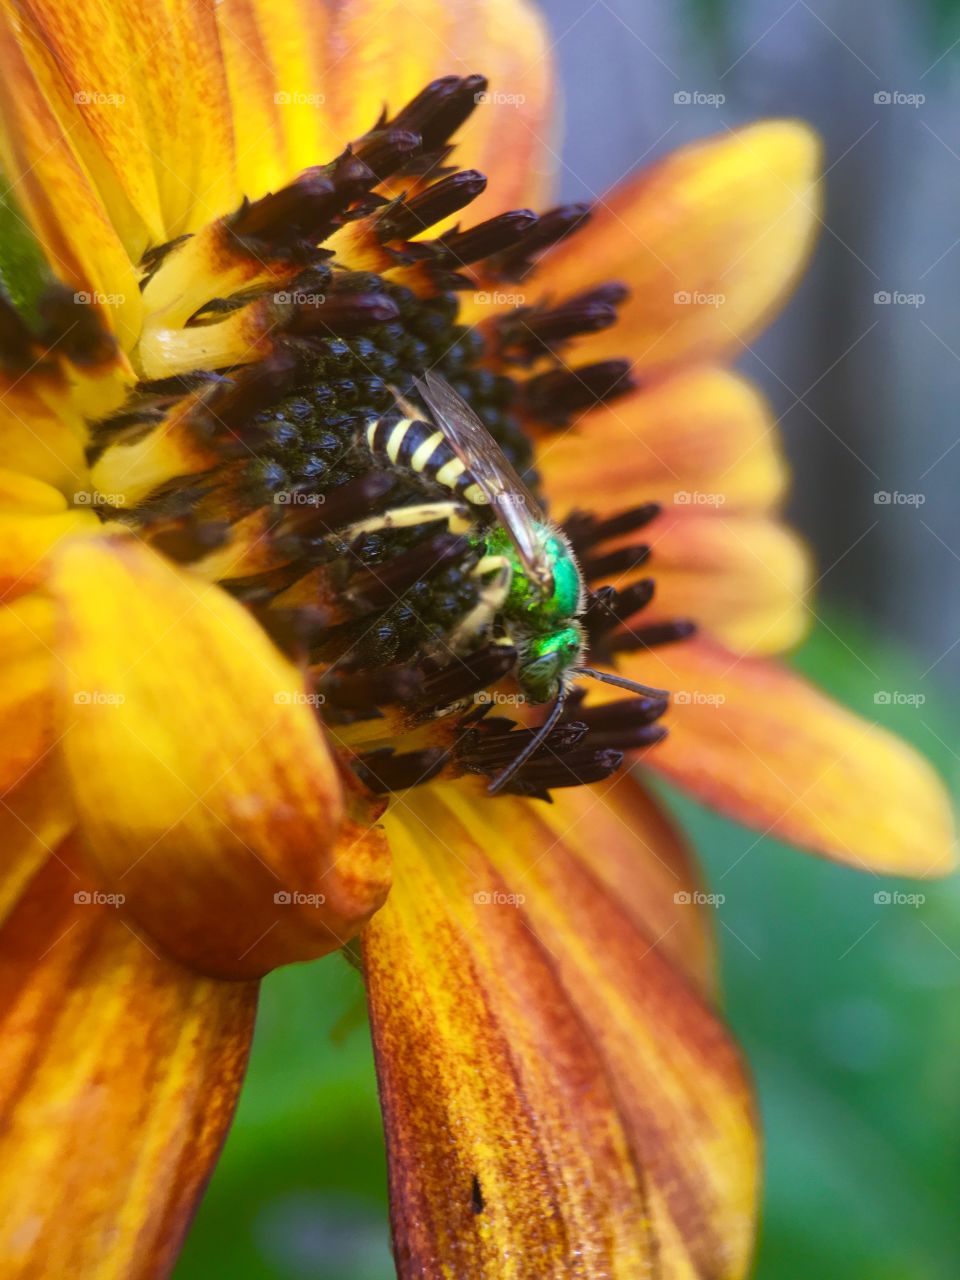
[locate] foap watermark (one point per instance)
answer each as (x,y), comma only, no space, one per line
(295,98)
(895,898)
(491,698)
(898,698)
(496,98)
(695,898)
(297,298)
(94,498)
(697,698)
(697,98)
(298,698)
(98,698)
(499,298)
(696,498)
(897,298)
(97,298)
(519,500)
(96,98)
(294,898)
(497,898)
(97,898)
(698,298)
(298,498)
(894,498)
(897,98)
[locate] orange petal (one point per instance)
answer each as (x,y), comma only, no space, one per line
(557,1100)
(36,816)
(743,579)
(305,80)
(704,431)
(143,97)
(205,787)
(709,240)
(119,1073)
(52,183)
(624,837)
(761,745)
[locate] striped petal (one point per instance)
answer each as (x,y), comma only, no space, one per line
(704,433)
(710,240)
(119,1072)
(304,80)
(557,1100)
(758,743)
(42,162)
(206,790)
(124,127)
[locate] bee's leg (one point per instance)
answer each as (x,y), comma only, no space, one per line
(457,515)
(493,594)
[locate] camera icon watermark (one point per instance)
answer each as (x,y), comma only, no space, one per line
(695,898)
(696,98)
(497,98)
(98,698)
(298,698)
(894,498)
(895,898)
(698,298)
(96,898)
(298,498)
(294,898)
(898,698)
(294,98)
(897,98)
(497,898)
(897,298)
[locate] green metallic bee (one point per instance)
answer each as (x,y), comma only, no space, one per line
(532,586)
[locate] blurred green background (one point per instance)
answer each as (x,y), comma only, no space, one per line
(848,1010)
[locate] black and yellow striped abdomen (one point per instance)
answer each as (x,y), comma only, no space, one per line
(421,447)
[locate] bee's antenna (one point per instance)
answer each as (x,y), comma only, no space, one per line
(536,741)
(622,682)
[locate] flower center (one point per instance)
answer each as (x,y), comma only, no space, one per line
(275,443)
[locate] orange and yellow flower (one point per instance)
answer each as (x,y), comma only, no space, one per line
(195,779)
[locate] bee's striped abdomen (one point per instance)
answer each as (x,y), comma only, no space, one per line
(421,447)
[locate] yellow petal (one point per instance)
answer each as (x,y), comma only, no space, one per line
(709,240)
(119,1072)
(704,431)
(41,160)
(557,1101)
(758,743)
(305,80)
(206,790)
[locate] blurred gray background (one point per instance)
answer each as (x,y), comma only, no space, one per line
(868,392)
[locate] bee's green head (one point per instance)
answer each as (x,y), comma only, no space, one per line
(546,660)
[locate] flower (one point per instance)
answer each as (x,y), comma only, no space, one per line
(210,688)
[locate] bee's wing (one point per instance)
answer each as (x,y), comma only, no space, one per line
(516,508)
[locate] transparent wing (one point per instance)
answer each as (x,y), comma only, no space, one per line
(516,509)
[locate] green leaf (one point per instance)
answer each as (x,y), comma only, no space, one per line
(23,268)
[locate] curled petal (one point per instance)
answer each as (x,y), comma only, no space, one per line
(119,1072)
(206,790)
(556,1098)
(709,240)
(756,742)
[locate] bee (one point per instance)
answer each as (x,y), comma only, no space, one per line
(533,592)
